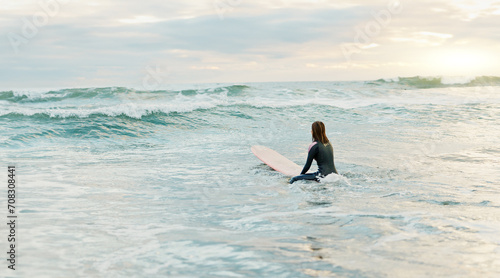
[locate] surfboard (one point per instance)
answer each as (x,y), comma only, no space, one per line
(276,161)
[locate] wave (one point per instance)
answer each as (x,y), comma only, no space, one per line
(329,97)
(130,109)
(439,81)
(57,95)
(27,96)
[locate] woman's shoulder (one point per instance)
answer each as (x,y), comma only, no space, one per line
(312,145)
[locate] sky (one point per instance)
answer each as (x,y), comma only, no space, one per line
(72,43)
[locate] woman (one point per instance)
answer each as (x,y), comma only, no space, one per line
(320,150)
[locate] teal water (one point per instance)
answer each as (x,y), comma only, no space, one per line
(117,182)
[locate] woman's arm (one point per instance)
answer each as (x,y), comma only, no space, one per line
(313,149)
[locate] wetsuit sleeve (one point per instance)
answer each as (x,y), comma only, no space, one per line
(310,156)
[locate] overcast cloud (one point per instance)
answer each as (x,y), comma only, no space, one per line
(116,43)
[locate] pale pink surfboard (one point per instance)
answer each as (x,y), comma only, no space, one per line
(276,161)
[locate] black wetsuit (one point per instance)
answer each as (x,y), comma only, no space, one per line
(323,154)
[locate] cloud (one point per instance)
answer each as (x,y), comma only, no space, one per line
(425,38)
(89,43)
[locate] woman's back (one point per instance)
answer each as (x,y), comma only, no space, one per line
(324,158)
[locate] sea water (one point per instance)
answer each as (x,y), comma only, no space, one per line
(123,182)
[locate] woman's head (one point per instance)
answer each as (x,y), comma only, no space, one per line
(318,132)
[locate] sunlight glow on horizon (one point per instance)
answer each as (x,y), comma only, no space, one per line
(464,62)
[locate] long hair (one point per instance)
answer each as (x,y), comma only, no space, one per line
(319,132)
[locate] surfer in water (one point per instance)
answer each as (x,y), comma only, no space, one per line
(320,150)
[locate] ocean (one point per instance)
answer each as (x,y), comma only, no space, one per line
(124,182)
